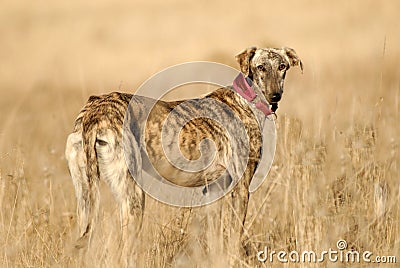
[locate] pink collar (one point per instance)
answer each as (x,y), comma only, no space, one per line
(243,88)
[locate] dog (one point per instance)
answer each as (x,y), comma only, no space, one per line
(94,150)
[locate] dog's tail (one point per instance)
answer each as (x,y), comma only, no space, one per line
(90,191)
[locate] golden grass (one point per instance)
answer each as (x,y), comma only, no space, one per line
(336,170)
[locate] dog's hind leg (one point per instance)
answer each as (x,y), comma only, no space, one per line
(234,212)
(118,164)
(132,196)
(234,215)
(132,206)
(132,200)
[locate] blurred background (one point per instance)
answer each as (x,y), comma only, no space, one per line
(338,134)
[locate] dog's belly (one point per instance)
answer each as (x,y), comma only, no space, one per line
(164,170)
(190,179)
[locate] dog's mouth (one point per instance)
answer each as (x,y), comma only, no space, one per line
(273,100)
(274,106)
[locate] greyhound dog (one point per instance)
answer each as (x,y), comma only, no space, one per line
(94,149)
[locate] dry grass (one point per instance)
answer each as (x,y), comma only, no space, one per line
(336,169)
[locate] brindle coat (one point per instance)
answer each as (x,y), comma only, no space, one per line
(94,150)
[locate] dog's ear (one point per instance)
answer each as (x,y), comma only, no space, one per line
(243,58)
(291,55)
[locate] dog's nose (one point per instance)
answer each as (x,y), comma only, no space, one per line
(276,97)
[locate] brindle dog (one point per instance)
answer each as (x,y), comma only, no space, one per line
(94,150)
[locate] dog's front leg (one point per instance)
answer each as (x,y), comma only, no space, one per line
(234,216)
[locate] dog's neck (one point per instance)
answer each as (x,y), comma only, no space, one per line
(243,87)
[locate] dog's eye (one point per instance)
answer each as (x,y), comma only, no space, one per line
(261,67)
(282,67)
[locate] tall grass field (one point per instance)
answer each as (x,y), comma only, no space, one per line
(336,171)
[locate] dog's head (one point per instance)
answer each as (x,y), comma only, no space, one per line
(267,68)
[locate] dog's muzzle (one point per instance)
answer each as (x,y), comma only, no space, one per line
(273,100)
